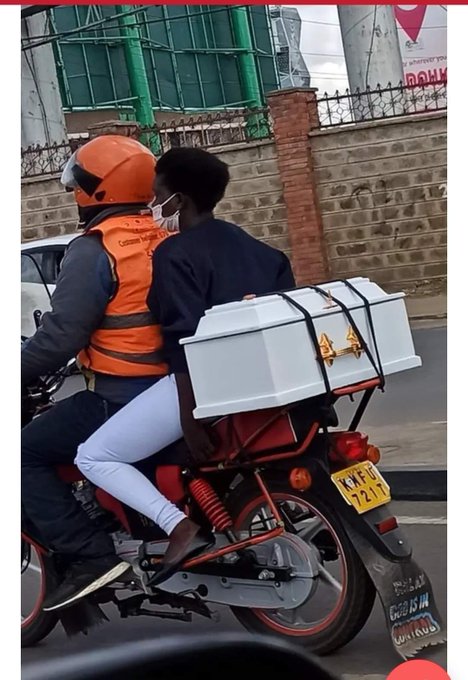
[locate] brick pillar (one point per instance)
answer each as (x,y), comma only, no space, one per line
(294,113)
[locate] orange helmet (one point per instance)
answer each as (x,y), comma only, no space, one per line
(110,169)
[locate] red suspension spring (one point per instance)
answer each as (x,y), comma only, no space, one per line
(209,502)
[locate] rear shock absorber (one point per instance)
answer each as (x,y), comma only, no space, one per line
(208,500)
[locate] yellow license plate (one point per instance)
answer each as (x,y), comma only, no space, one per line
(362,486)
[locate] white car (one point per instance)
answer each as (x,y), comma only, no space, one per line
(39,257)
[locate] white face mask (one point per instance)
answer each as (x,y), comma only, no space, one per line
(170,223)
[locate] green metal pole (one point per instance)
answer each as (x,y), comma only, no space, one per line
(251,89)
(248,68)
(137,74)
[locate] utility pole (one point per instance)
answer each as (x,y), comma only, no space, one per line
(372,55)
(137,74)
(42,118)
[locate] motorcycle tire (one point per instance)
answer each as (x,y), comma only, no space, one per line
(358,592)
(39,624)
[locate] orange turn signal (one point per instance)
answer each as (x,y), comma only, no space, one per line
(300,479)
(373,454)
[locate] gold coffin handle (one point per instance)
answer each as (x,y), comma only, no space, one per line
(329,354)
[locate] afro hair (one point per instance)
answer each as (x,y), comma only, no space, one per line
(195,173)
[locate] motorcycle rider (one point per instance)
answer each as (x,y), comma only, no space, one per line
(99,313)
(210,262)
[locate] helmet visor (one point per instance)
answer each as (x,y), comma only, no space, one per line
(68,178)
(76,177)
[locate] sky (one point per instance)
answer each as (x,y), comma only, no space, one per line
(322,46)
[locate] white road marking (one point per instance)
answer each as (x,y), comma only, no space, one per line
(409,520)
(438,422)
(422,520)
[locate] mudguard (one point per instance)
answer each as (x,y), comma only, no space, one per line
(392,544)
(404,589)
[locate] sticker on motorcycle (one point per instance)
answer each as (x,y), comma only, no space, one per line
(405,592)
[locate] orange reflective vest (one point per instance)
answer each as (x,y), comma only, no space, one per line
(128,342)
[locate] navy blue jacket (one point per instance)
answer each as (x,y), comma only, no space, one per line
(210,264)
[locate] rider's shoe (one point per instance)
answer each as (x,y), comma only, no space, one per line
(186,541)
(84,578)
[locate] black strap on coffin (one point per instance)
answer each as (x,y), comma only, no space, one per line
(368,309)
(376,366)
(313,334)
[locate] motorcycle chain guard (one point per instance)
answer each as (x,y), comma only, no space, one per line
(266,593)
(285,550)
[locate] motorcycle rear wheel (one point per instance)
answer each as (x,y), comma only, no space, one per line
(320,523)
(36,580)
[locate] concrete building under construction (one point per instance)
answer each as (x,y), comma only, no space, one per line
(144,63)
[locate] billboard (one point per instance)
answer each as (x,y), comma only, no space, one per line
(422,31)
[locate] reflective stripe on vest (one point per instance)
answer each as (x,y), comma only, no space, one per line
(119,321)
(128,342)
(147,358)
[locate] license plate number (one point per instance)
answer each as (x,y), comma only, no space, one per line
(362,486)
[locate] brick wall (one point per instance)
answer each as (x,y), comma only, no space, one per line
(381,189)
(253,200)
(365,199)
(46,209)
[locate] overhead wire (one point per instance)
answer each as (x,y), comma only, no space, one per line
(38,41)
(103,23)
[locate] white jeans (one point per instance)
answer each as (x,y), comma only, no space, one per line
(143,427)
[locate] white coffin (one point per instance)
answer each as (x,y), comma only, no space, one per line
(258,353)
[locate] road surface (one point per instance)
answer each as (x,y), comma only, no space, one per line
(419,395)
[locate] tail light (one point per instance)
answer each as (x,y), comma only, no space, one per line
(352,447)
(349,447)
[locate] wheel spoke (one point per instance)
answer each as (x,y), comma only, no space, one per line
(312,527)
(330,580)
(266,519)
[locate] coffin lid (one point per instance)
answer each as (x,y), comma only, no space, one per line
(270,311)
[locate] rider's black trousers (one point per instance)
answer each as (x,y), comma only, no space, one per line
(48,503)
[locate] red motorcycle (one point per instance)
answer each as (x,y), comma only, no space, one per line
(305,534)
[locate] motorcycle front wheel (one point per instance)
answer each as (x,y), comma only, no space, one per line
(36,579)
(343,598)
